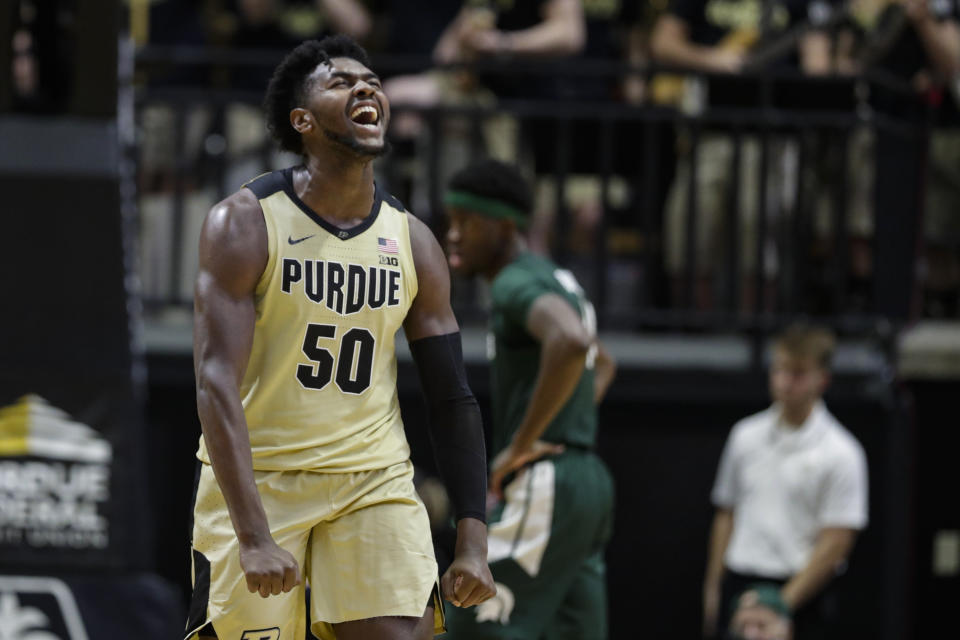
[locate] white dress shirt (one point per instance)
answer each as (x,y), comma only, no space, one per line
(786,484)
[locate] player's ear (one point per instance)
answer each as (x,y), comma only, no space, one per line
(302,120)
(825,380)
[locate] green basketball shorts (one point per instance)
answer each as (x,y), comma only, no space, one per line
(546,542)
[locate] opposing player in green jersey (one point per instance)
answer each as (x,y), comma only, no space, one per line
(554,516)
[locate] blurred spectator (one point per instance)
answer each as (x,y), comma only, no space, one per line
(913,40)
(298,20)
(790,494)
(410,29)
(718,37)
(177,22)
(918,42)
(282,24)
(41,48)
(607,29)
(641,18)
(545,30)
(165,127)
(481,30)
(761,614)
(518,29)
(26,76)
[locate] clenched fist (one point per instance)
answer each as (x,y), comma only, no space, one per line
(269,569)
(468,581)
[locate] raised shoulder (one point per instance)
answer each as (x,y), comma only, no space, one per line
(233,243)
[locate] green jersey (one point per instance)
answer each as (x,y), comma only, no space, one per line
(515,356)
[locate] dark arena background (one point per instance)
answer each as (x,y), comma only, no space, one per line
(699,226)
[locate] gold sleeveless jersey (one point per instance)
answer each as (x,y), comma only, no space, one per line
(320,389)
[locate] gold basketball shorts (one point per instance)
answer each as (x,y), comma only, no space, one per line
(362,541)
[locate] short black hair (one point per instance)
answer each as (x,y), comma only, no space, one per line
(491,178)
(286,88)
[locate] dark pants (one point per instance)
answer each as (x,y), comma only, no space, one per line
(812,621)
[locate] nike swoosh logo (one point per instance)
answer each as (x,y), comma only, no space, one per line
(292,241)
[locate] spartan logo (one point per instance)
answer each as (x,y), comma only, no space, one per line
(262,634)
(54,479)
(38,609)
(499,607)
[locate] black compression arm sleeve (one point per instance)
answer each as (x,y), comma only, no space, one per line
(456,430)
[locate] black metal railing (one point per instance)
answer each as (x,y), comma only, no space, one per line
(632,144)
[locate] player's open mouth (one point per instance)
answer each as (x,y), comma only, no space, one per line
(366,116)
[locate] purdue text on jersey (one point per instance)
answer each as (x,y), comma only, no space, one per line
(345,289)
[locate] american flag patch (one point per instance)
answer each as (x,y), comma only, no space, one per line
(387,245)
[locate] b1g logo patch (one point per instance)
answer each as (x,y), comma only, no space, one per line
(262,634)
(38,608)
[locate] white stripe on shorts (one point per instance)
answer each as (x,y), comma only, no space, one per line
(523,531)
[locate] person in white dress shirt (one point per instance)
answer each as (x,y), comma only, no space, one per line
(790,494)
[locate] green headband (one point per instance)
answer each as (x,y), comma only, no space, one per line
(489,207)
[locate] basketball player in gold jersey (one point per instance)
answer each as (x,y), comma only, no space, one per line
(306,274)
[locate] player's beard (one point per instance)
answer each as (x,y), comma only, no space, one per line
(356,147)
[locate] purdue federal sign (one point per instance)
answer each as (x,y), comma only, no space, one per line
(54,479)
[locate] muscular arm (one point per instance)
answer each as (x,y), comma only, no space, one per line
(833,546)
(447,49)
(671,44)
(941,40)
(815,53)
(233,253)
(455,426)
(561,32)
(232,257)
(347,16)
(564,343)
